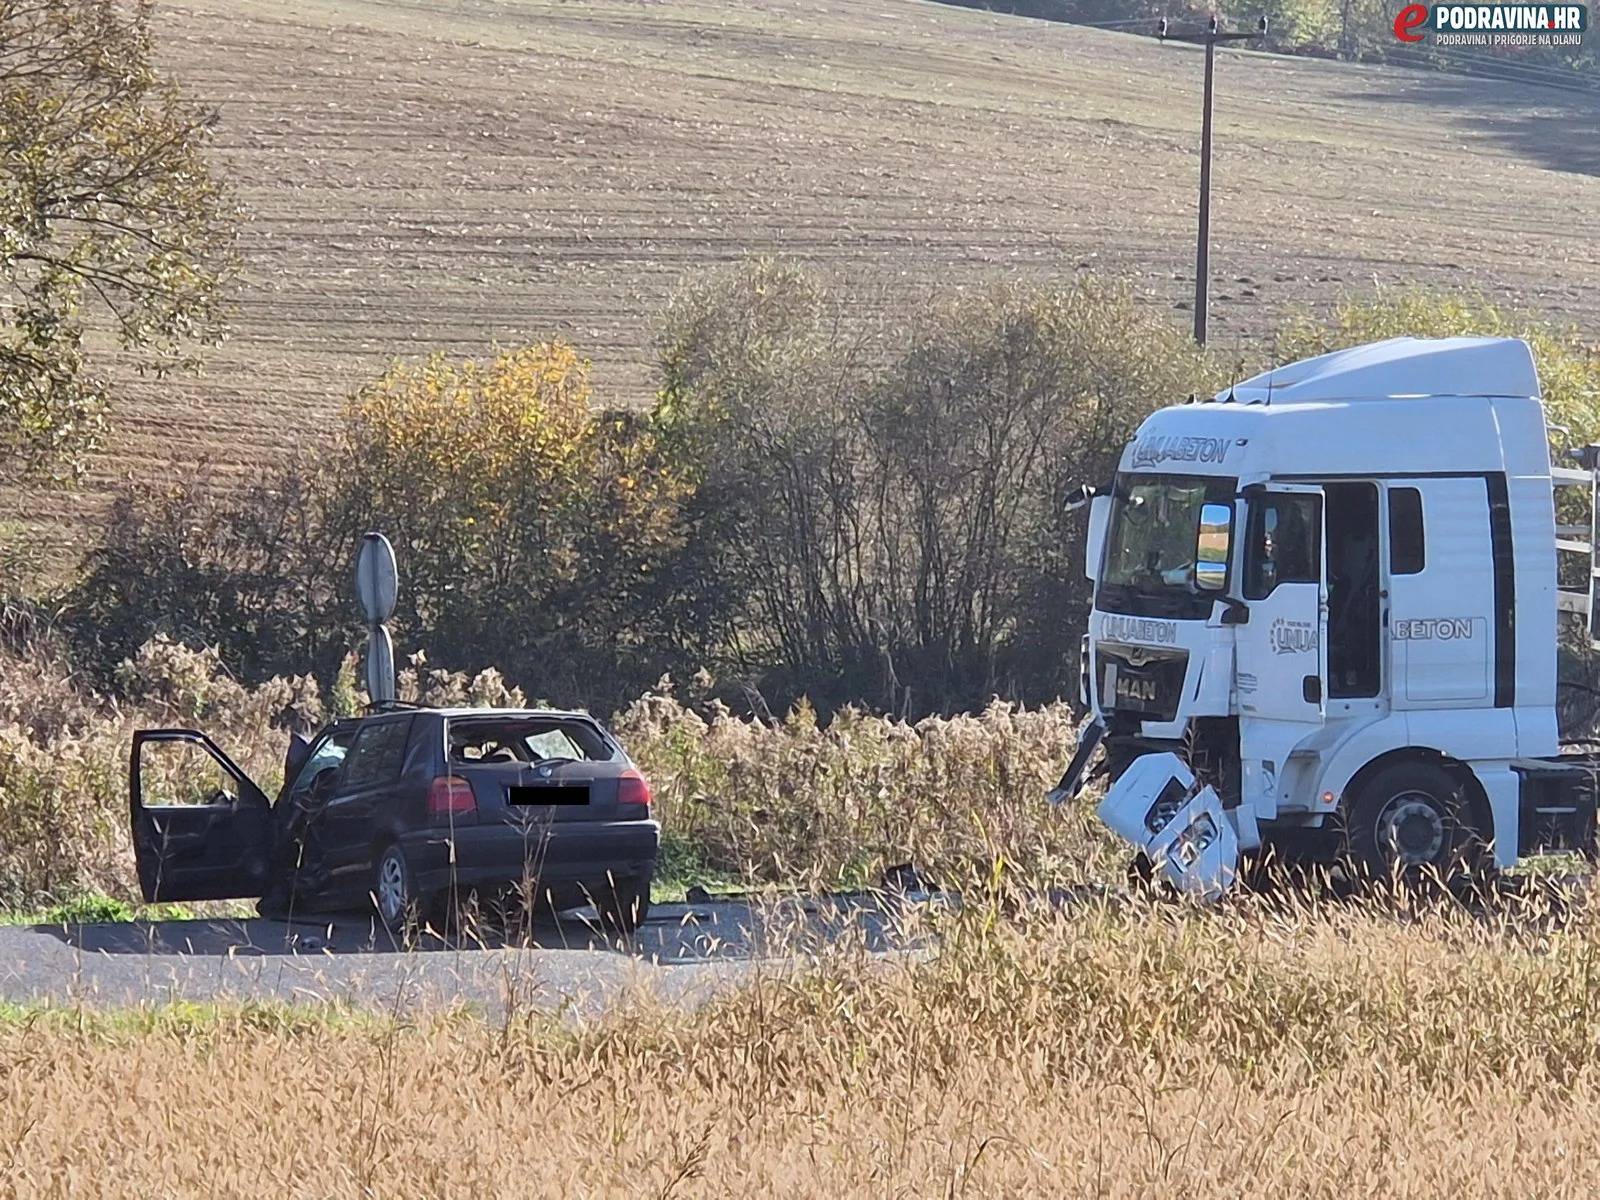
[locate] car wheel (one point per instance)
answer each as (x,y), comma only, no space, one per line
(394,892)
(1410,824)
(625,905)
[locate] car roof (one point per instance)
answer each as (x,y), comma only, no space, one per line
(566,713)
(407,710)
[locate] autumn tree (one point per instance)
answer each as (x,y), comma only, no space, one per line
(533,531)
(534,534)
(891,510)
(109,220)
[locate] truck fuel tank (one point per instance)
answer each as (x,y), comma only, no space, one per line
(1161,808)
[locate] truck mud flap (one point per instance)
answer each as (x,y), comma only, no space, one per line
(1179,824)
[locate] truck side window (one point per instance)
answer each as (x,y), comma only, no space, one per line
(1283,543)
(1405,531)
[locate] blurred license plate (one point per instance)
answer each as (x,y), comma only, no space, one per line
(551,793)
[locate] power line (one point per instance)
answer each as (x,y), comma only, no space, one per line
(1143,22)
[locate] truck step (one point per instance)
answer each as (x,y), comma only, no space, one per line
(1572,602)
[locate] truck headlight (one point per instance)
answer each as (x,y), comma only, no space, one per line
(1192,843)
(1169,800)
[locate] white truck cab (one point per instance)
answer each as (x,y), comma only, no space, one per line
(1324,620)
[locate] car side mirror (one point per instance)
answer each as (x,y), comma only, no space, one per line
(1212,542)
(294,757)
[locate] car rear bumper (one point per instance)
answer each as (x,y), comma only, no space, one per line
(569,855)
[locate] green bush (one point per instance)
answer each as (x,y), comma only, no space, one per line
(262,575)
(814,507)
(534,532)
(870,517)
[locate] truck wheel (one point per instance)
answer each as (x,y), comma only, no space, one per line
(1411,824)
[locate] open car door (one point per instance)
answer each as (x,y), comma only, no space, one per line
(202,830)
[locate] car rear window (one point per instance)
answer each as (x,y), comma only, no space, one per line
(526,739)
(377,754)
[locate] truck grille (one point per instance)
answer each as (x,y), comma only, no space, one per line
(1145,681)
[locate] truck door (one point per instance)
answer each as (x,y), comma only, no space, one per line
(202,830)
(1282,665)
(1441,593)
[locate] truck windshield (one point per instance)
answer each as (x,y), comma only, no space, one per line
(1150,546)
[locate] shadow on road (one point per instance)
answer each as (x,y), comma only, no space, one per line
(674,934)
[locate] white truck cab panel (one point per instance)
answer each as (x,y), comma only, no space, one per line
(1380,603)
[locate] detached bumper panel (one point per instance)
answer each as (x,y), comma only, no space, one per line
(1159,807)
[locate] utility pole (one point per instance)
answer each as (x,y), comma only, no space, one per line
(1202,253)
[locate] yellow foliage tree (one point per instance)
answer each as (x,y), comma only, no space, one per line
(530,528)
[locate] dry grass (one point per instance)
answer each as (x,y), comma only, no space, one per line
(428,176)
(64,760)
(838,802)
(1318,1049)
(792,801)
(1330,1052)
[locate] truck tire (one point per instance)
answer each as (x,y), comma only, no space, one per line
(1411,824)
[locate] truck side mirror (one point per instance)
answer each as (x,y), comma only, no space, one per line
(1212,542)
(1094,541)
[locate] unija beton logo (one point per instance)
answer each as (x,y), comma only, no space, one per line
(1494,24)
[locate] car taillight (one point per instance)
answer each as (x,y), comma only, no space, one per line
(633,792)
(450,796)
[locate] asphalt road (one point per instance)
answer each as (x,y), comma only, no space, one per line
(685,954)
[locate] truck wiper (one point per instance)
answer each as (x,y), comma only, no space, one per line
(1166,600)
